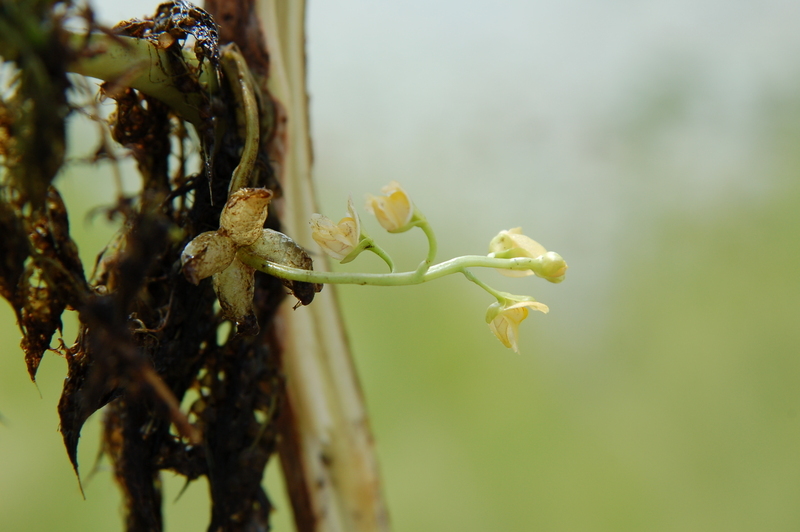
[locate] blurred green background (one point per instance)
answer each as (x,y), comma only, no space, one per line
(656,146)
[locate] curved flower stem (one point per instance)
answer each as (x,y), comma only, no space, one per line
(468,274)
(457,265)
(379,251)
(423,224)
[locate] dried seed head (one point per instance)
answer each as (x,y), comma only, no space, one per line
(235,287)
(274,246)
(243,216)
(207,254)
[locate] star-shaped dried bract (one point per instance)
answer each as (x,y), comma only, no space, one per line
(213,254)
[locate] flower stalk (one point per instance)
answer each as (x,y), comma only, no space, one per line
(142,65)
(449,267)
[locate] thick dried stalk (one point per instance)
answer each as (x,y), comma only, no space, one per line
(326,429)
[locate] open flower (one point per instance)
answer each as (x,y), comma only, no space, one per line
(504,318)
(339,240)
(394,210)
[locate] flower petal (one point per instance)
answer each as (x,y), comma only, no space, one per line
(327,235)
(394,210)
(535,305)
(504,318)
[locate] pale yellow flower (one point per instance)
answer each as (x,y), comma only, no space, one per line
(504,319)
(340,239)
(394,210)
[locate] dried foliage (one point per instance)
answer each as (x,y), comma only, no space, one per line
(147,335)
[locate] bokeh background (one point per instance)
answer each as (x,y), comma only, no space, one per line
(656,146)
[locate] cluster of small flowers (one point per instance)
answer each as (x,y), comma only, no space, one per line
(396,213)
(232,253)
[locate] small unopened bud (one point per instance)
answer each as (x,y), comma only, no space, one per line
(551,266)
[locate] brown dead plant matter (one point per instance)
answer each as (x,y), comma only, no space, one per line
(147,335)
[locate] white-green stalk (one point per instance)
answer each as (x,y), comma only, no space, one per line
(145,66)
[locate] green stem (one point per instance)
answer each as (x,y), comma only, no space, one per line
(379,251)
(138,63)
(243,86)
(457,265)
(423,224)
(468,274)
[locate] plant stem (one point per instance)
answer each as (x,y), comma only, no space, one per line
(235,68)
(426,228)
(457,265)
(379,251)
(468,274)
(140,64)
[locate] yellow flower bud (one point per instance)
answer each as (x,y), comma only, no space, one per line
(244,214)
(504,319)
(394,210)
(340,239)
(552,267)
(512,244)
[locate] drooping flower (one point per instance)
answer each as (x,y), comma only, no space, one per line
(337,240)
(504,318)
(512,244)
(393,210)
